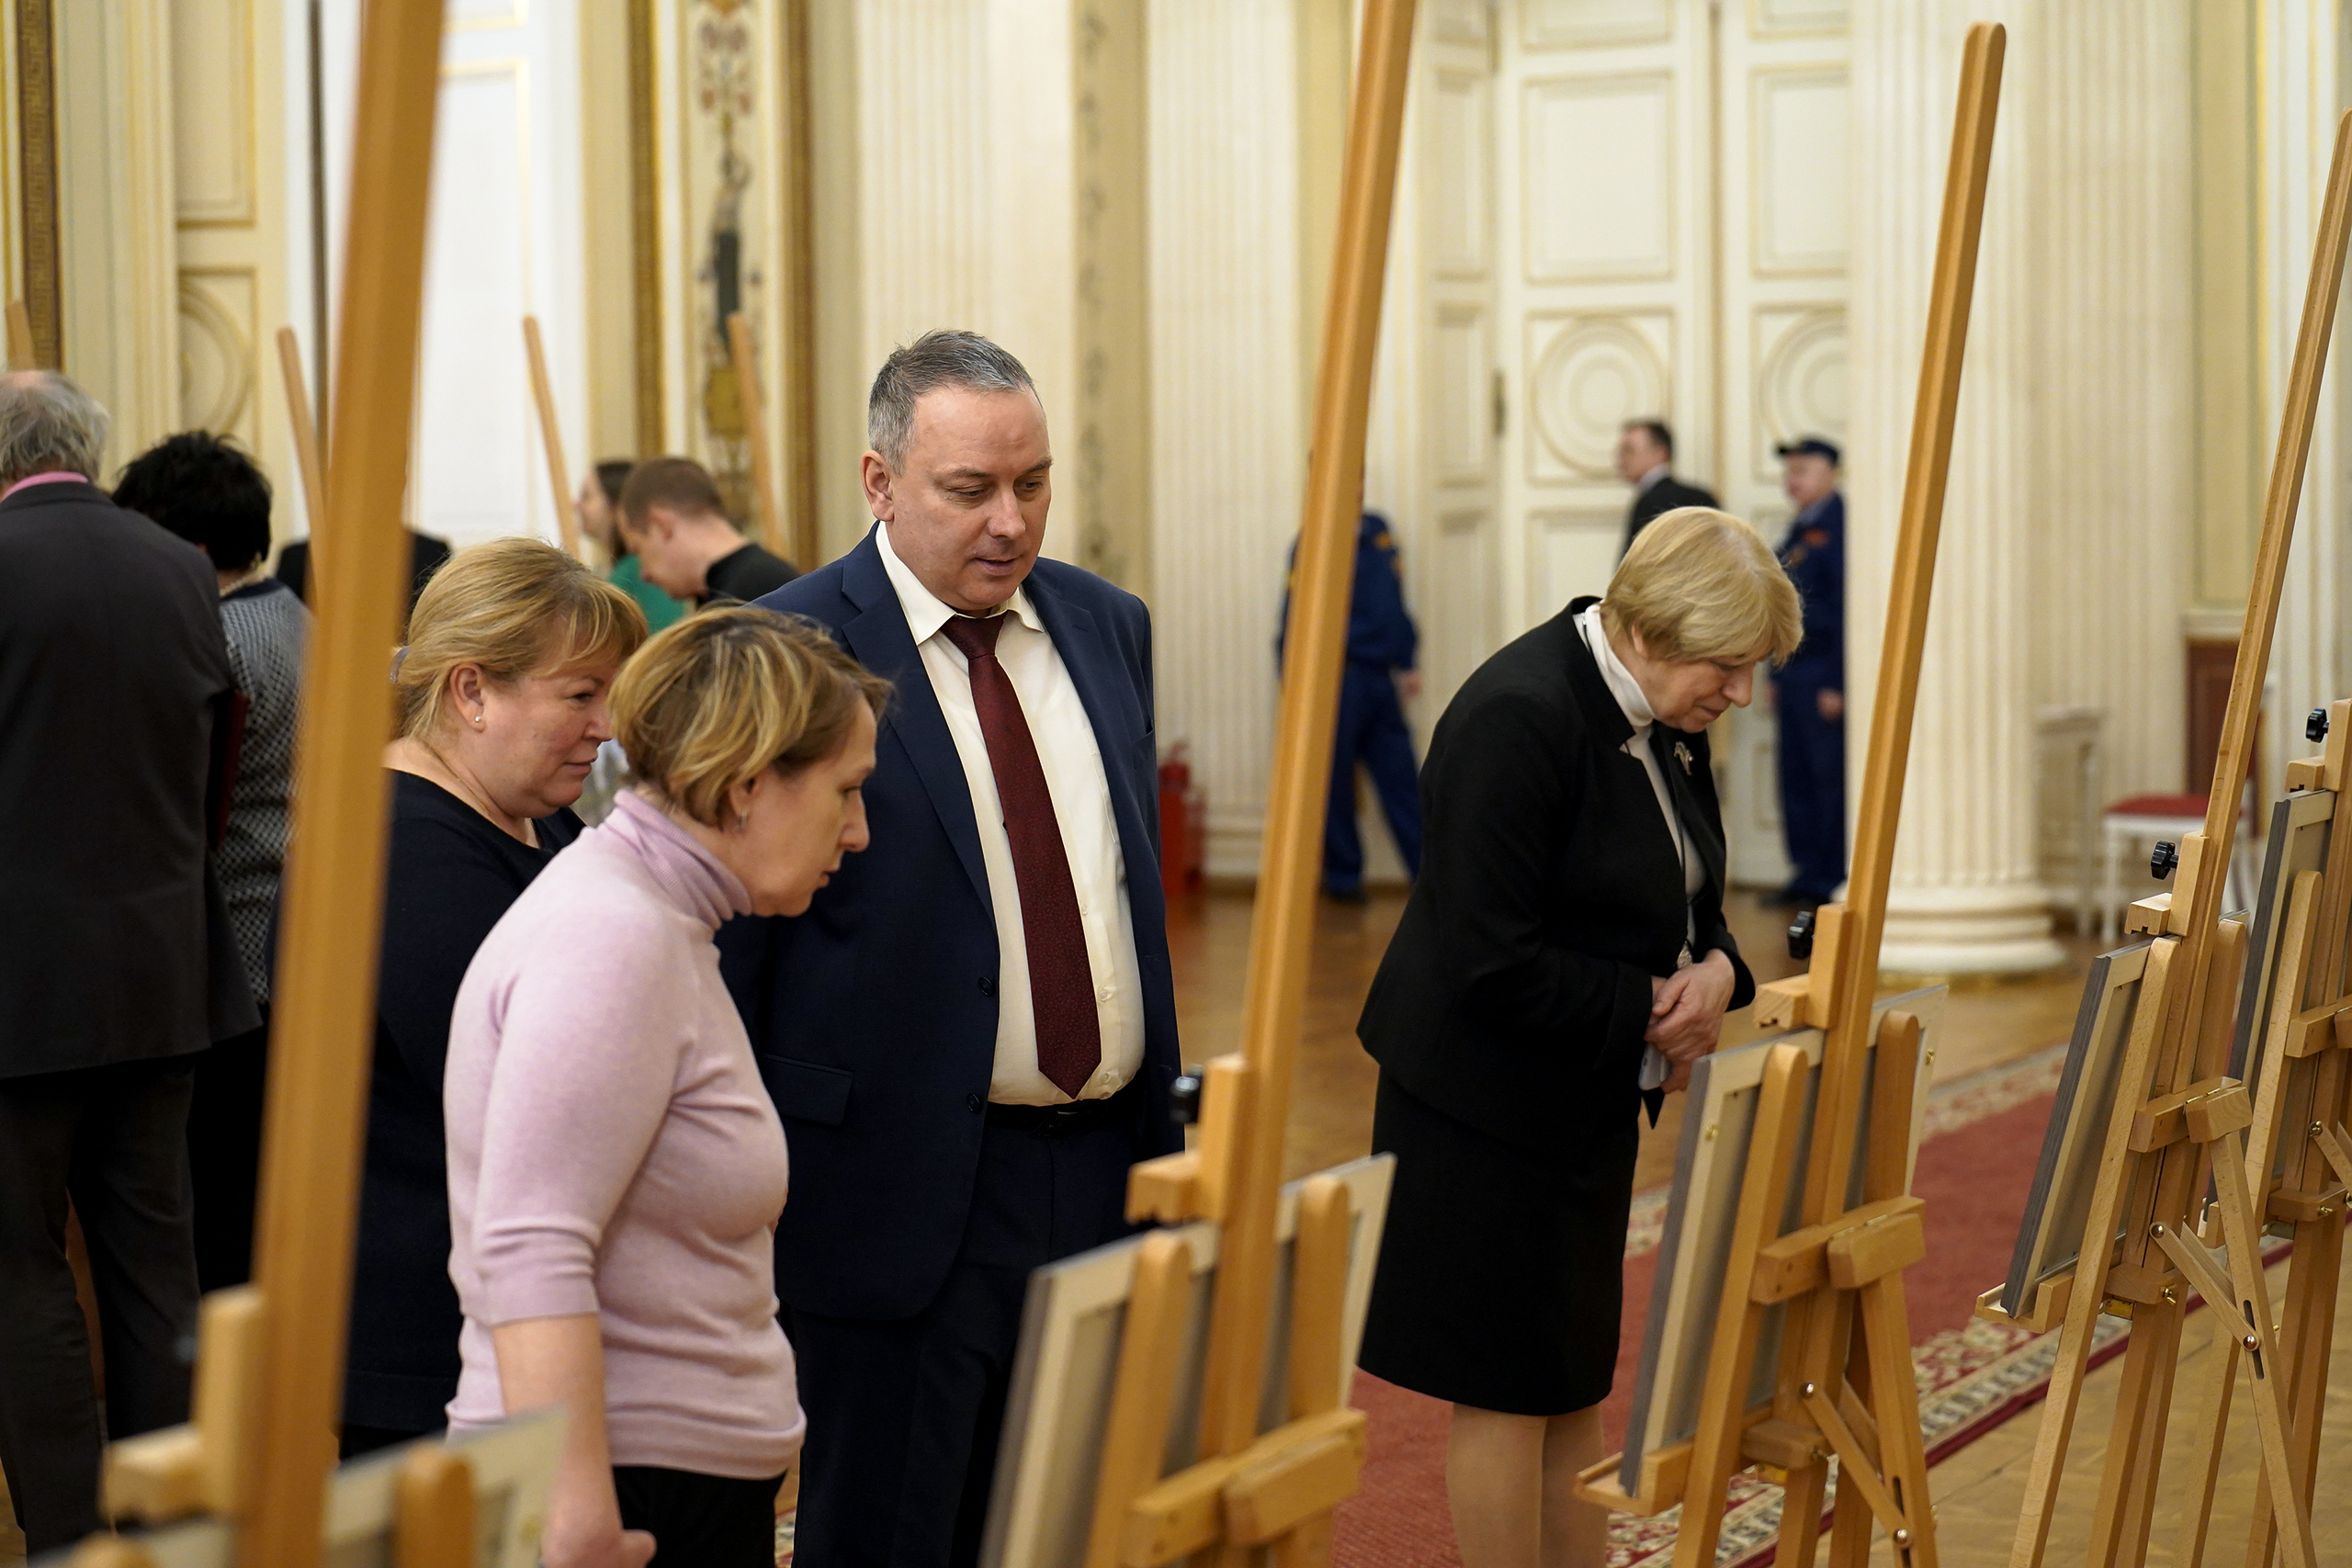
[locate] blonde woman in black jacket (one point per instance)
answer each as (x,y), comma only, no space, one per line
(1564,958)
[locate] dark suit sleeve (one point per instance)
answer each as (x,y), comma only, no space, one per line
(1500,798)
(442,893)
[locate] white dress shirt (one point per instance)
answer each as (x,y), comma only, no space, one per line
(1081,796)
(1636,708)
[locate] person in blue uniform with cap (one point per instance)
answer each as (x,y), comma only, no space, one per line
(1810,690)
(1381,647)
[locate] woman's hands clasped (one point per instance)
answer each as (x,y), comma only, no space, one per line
(1686,1014)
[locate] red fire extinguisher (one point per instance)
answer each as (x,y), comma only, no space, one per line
(1183,826)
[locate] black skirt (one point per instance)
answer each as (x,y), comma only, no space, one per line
(1502,1276)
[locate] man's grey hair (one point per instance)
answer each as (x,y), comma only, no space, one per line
(942,358)
(49,425)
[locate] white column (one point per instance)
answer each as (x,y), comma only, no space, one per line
(2301,92)
(1228,446)
(2108,182)
(1965,896)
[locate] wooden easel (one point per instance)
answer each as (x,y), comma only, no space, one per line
(567,515)
(1843,1379)
(21,355)
(1248,1491)
(270,1361)
(2297,1158)
(2179,1118)
(764,504)
(310,465)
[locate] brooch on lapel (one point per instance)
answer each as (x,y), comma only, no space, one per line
(1683,755)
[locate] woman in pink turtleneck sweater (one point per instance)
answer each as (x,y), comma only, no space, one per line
(616,1169)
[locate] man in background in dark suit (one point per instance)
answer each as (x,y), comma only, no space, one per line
(1646,461)
(673,519)
(1809,691)
(971,1034)
(427,555)
(110,706)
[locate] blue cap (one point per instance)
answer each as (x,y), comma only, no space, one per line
(1808,446)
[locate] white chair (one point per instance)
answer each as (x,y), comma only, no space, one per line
(2139,822)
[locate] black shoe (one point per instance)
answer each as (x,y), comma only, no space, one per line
(1345,895)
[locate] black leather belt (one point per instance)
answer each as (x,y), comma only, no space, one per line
(1061,1120)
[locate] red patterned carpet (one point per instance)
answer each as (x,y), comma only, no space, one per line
(1972,1375)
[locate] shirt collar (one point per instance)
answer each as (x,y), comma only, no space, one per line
(924,611)
(1621,684)
(1641,486)
(55,476)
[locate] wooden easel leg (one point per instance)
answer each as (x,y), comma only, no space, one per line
(1903,1458)
(1716,1450)
(2253,1307)
(1849,1529)
(1800,1507)
(2306,1342)
(2128,1478)
(2197,1506)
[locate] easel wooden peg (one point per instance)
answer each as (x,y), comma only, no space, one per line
(1249,1490)
(567,514)
(310,465)
(764,501)
(21,355)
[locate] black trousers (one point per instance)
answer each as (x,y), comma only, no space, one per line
(699,1521)
(904,1417)
(225,1154)
(114,1139)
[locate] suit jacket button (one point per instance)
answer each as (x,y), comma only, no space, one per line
(988,986)
(972,1103)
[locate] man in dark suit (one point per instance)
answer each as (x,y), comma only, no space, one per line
(971,1034)
(1646,461)
(427,555)
(109,705)
(1809,691)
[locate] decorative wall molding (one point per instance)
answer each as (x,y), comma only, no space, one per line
(1564,119)
(1567,23)
(1591,374)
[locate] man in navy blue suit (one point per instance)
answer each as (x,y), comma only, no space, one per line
(971,1034)
(1810,690)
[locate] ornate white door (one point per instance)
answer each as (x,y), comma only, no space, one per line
(1613,209)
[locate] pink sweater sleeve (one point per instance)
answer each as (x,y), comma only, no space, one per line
(580,1087)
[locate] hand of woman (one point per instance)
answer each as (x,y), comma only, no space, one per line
(575,1539)
(1687,1011)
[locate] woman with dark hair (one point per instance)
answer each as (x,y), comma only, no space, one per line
(201,486)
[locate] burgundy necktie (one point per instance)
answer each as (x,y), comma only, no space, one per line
(1061,980)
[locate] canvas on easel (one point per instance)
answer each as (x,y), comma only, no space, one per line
(510,1468)
(1059,1410)
(2058,1204)
(1718,1122)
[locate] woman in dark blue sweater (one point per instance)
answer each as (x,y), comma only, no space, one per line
(511,649)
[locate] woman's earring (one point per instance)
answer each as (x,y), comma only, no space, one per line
(743,821)
(476,721)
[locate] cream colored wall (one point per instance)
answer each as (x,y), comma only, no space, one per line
(608,255)
(118,214)
(227,120)
(2231,446)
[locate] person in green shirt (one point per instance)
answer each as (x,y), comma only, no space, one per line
(599,504)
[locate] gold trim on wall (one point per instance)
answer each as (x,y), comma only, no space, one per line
(795,403)
(37,144)
(645,228)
